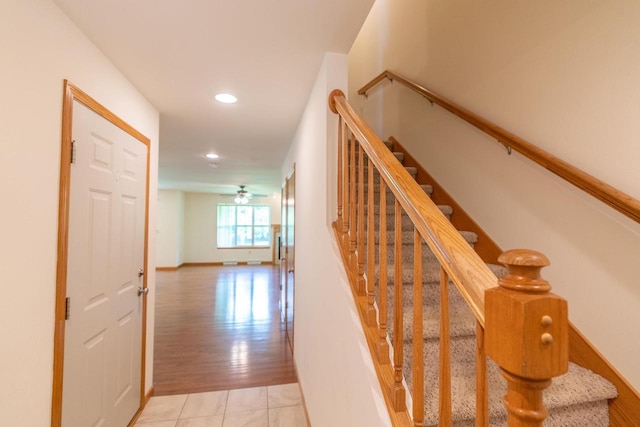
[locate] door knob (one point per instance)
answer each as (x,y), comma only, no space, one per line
(142,291)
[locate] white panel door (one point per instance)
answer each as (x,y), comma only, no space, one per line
(103,335)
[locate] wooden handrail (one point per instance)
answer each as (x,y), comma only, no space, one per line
(602,191)
(463,266)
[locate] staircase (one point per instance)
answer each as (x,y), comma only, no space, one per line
(578,398)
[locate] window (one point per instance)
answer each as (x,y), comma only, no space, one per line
(243,225)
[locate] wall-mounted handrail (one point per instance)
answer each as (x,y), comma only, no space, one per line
(602,191)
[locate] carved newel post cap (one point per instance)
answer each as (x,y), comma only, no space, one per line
(523,271)
(526,326)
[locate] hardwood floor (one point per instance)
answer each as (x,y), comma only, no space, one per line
(219,328)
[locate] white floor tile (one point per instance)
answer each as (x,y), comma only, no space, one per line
(246,399)
(157,424)
(290,416)
(247,419)
(205,404)
(163,408)
(234,408)
(283,395)
(213,421)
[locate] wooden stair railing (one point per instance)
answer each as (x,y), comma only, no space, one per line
(625,409)
(359,148)
(602,191)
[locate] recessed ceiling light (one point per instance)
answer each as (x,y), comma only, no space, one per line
(226,98)
(212,156)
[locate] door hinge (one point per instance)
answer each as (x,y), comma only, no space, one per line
(73,151)
(67,308)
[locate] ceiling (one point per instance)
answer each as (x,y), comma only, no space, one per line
(179,54)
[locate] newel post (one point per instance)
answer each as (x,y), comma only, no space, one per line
(526,334)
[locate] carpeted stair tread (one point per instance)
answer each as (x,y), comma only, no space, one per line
(406,221)
(462,322)
(398,154)
(376,188)
(430,274)
(413,171)
(407,237)
(446,209)
(498,270)
(577,386)
(430,287)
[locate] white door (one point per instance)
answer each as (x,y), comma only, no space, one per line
(103,335)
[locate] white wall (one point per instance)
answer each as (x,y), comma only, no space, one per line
(201,220)
(170,229)
(41,47)
(330,347)
(563,75)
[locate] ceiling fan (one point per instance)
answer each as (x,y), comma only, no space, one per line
(242,196)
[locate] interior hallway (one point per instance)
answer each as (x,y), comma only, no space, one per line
(219,328)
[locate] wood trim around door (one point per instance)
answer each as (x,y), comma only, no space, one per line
(72,93)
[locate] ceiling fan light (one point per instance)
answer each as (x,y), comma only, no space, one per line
(226,98)
(241,200)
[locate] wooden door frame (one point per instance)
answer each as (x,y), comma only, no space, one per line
(289,334)
(72,93)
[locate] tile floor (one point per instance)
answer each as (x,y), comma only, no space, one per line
(271,406)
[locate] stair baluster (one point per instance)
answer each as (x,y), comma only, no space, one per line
(445,352)
(370,314)
(383,345)
(340,180)
(482,382)
(353,262)
(398,396)
(418,333)
(361,224)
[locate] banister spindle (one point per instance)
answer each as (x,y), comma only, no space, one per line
(418,333)
(371,314)
(445,353)
(398,396)
(340,201)
(361,224)
(482,383)
(526,331)
(383,345)
(346,167)
(352,206)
